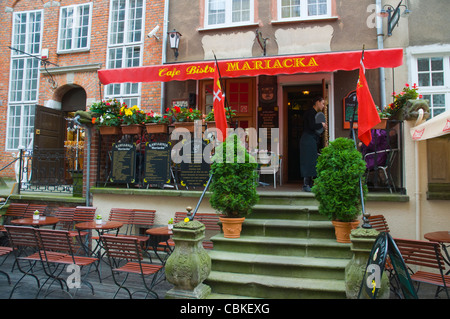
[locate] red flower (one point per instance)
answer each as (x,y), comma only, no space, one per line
(407,85)
(167,110)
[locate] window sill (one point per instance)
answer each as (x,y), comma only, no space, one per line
(310,20)
(224,27)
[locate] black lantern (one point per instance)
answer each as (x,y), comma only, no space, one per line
(174,40)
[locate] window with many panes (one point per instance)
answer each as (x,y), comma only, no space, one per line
(24,78)
(125,39)
(303,9)
(224,13)
(74,28)
(432,75)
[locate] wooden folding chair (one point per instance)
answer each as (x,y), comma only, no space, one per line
(428,255)
(4,252)
(31,208)
(14,211)
(24,242)
(128,249)
(60,242)
(379,223)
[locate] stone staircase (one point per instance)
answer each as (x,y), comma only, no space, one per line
(286,251)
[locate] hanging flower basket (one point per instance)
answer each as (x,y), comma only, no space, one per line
(132,129)
(154,128)
(109,130)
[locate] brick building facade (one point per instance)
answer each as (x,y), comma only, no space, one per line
(75,35)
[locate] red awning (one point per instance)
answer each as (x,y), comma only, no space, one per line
(305,63)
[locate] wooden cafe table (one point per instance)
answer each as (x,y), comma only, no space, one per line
(157,235)
(42,221)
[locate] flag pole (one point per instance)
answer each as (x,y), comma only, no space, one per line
(221,85)
(365,218)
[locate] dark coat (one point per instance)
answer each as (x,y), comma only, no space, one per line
(309,144)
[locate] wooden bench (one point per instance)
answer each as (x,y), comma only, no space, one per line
(425,254)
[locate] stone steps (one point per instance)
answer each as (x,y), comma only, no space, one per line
(286,250)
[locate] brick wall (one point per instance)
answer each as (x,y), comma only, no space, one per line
(150,93)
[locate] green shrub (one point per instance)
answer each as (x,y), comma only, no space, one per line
(234,180)
(337,188)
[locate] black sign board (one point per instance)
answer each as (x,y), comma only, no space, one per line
(383,247)
(157,163)
(350,104)
(123,163)
(195,172)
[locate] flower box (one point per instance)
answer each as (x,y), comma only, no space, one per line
(188,125)
(133,129)
(156,128)
(109,130)
(381,125)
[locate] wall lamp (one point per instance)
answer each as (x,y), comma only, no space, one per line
(174,41)
(394,15)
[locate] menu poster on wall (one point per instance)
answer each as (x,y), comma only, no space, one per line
(195,173)
(123,163)
(350,104)
(157,163)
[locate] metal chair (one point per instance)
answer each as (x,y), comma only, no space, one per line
(386,168)
(128,249)
(273,166)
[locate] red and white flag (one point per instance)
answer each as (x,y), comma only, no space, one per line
(219,107)
(367,112)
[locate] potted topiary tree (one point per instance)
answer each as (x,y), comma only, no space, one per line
(233,184)
(337,186)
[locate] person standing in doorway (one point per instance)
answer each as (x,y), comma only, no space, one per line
(309,143)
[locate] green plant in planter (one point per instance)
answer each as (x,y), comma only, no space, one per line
(234,180)
(337,188)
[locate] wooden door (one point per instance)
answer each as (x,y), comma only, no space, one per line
(48,150)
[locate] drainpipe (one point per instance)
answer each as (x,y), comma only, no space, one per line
(380,40)
(88,167)
(164,47)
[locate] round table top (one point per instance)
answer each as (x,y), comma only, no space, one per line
(42,221)
(439,236)
(158,231)
(103,225)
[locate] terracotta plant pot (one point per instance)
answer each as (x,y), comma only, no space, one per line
(154,128)
(132,129)
(343,229)
(109,130)
(231,227)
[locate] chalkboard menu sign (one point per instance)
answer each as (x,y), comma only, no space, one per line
(385,246)
(123,163)
(157,163)
(350,104)
(195,173)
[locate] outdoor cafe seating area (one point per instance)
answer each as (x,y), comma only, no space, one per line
(124,256)
(44,254)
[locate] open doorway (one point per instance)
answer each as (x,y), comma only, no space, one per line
(297,99)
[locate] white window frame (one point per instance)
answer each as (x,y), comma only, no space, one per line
(303,12)
(76,25)
(20,114)
(432,51)
(125,44)
(229,16)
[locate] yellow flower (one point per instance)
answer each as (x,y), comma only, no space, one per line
(186,220)
(128,112)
